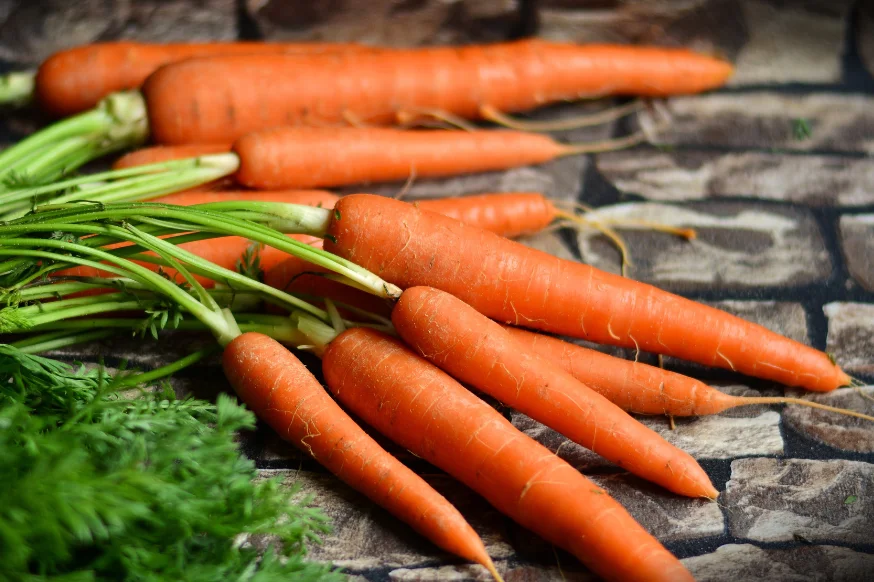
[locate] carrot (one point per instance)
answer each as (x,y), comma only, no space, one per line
(424,410)
(315,157)
(222,98)
(515,284)
(475,350)
(278,388)
(77,79)
(508,214)
(157,154)
(644,389)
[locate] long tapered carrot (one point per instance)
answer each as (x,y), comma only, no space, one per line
(507,281)
(424,410)
(215,99)
(278,388)
(475,350)
(644,389)
(77,79)
(315,157)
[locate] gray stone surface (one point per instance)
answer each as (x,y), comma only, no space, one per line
(366,536)
(722,436)
(385,22)
(694,175)
(738,246)
(842,432)
(31,31)
(857,244)
(851,336)
(766,120)
(865,34)
(465,573)
(804,564)
(772,500)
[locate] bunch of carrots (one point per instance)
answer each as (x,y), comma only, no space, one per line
(402,302)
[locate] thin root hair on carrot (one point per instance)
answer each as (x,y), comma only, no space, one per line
(751,400)
(575,221)
(585,120)
(412,117)
(407,185)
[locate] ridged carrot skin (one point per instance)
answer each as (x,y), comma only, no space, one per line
(424,410)
(633,386)
(222,98)
(320,157)
(280,390)
(475,350)
(515,284)
(75,80)
(508,214)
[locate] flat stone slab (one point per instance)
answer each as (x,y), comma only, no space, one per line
(739,246)
(366,536)
(385,22)
(803,564)
(765,120)
(857,244)
(838,431)
(31,31)
(695,175)
(851,336)
(772,500)
(721,436)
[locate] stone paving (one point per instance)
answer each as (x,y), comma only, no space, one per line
(776,174)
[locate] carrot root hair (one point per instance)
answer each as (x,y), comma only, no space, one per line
(749,400)
(586,120)
(413,117)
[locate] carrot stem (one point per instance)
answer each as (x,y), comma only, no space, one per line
(17,88)
(120,119)
(59,339)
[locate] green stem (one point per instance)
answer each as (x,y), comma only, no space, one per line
(61,339)
(163,371)
(119,118)
(17,88)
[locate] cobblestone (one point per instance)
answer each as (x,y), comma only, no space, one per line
(695,175)
(851,336)
(841,432)
(771,500)
(738,246)
(857,244)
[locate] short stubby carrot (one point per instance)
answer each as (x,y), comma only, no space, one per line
(477,351)
(424,410)
(280,390)
(316,157)
(76,79)
(512,283)
(218,98)
(509,214)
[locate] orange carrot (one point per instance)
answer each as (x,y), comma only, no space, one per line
(475,350)
(315,157)
(644,389)
(509,214)
(77,79)
(515,284)
(158,154)
(278,388)
(222,98)
(427,412)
